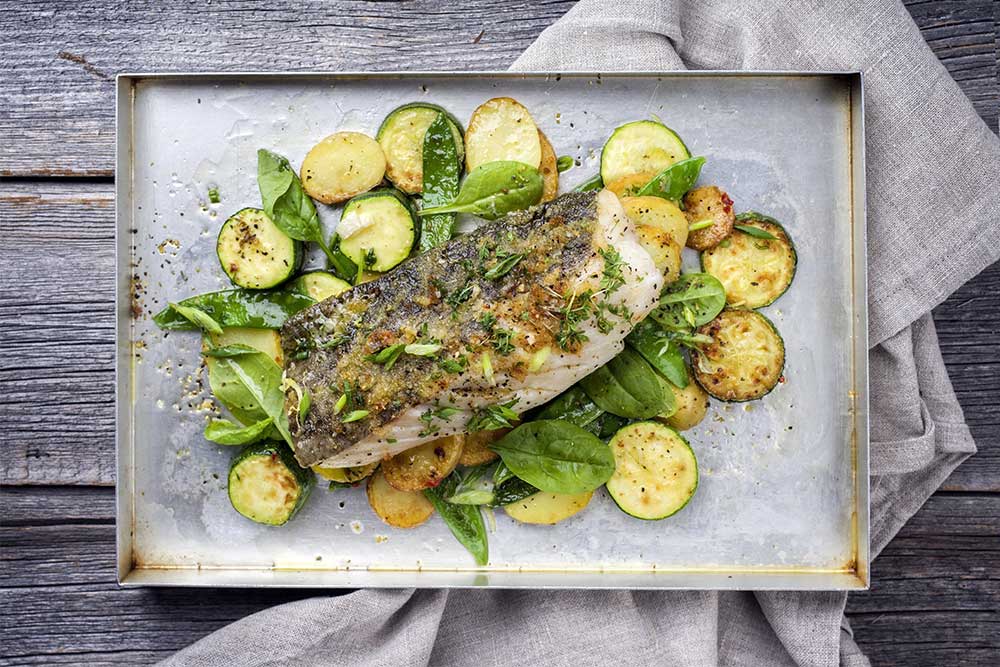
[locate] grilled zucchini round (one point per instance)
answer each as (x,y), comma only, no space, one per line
(254,253)
(754,269)
(638,147)
(377,230)
(656,472)
(745,359)
(401,137)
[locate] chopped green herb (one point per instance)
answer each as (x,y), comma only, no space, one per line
(340,404)
(487,367)
(493,417)
(355,415)
(370,258)
(564,163)
(213,195)
(455,299)
(505,263)
(701,224)
(422,349)
(387,356)
(305,402)
(442,413)
(612,277)
(756,232)
(456,365)
(576,310)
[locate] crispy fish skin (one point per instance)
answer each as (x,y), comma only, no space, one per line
(522,336)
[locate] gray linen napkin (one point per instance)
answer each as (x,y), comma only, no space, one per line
(934,222)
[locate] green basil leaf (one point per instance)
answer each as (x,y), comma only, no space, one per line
(594,183)
(690,301)
(238,308)
(573,405)
(556,456)
(494,189)
(440,187)
(626,386)
(564,163)
(250,386)
(673,182)
(197,317)
(464,521)
(756,232)
(662,352)
(225,432)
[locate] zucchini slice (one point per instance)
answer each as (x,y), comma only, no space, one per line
(377,230)
(642,146)
(320,285)
(502,129)
(745,359)
(401,137)
(547,508)
(712,207)
(399,509)
(267,485)
(254,253)
(656,472)
(754,269)
(549,169)
(342,166)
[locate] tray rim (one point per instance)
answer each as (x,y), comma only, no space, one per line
(856,576)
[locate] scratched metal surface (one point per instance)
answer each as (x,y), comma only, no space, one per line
(777,490)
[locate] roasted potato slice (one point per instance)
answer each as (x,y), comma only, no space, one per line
(400,509)
(661,247)
(477,447)
(548,508)
(341,166)
(424,466)
(628,186)
(549,169)
(660,213)
(692,404)
(708,203)
(502,129)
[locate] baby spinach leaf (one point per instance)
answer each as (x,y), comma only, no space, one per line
(556,456)
(658,348)
(340,264)
(511,491)
(475,486)
(594,183)
(249,384)
(674,181)
(573,405)
(690,301)
(286,203)
(464,521)
(234,350)
(225,432)
(441,173)
(494,189)
(626,386)
(237,308)
(197,317)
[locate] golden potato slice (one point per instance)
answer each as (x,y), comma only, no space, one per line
(502,129)
(548,508)
(425,465)
(345,475)
(708,203)
(692,404)
(267,341)
(660,213)
(627,186)
(400,509)
(661,247)
(549,169)
(477,447)
(341,166)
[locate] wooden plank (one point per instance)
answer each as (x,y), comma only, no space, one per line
(933,601)
(57,74)
(57,317)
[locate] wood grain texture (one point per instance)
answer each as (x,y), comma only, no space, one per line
(934,599)
(60,59)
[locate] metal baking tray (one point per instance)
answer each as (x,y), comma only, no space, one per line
(783,499)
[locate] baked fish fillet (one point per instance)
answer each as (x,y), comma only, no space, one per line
(511,314)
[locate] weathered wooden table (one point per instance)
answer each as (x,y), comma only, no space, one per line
(936,590)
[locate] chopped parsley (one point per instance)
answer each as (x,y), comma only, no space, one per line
(493,417)
(442,413)
(455,299)
(500,339)
(612,277)
(575,311)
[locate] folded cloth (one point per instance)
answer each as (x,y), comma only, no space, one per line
(933,214)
